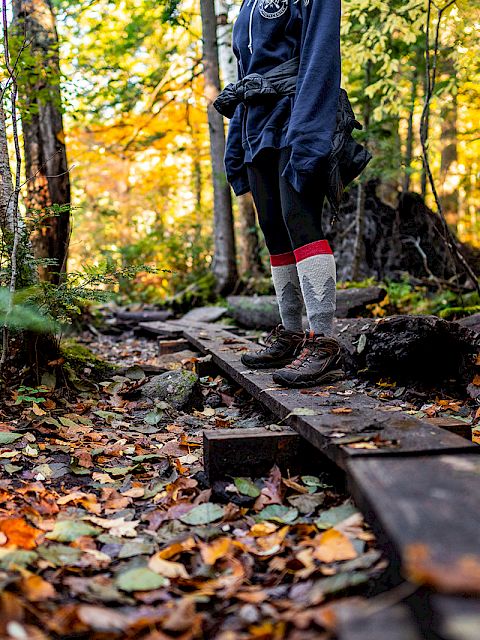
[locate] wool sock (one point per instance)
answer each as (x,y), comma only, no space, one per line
(287,288)
(317,276)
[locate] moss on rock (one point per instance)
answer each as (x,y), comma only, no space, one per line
(83,361)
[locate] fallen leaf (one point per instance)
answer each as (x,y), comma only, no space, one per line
(333,516)
(246,487)
(36,589)
(141,579)
(70,530)
(341,410)
(203,514)
(167,568)
(278,513)
(215,550)
(7,437)
(334,546)
(19,533)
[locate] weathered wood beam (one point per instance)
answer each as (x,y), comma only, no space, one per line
(253,452)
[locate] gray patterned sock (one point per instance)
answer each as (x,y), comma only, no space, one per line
(317,275)
(287,288)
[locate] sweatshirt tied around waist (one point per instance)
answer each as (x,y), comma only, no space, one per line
(267,34)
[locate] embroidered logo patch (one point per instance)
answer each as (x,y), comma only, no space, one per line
(273,8)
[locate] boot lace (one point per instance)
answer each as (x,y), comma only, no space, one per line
(272,337)
(309,348)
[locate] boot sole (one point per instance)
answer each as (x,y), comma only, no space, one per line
(267,365)
(331,376)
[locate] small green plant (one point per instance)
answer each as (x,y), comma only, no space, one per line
(30,394)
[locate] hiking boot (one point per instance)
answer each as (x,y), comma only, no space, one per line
(281,348)
(318,362)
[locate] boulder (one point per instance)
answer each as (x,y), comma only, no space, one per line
(471,322)
(254,312)
(353,302)
(181,388)
(412,349)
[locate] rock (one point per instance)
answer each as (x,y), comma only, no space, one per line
(254,312)
(205,314)
(417,348)
(353,302)
(180,388)
(471,322)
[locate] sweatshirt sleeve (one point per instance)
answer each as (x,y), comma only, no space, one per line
(234,155)
(314,112)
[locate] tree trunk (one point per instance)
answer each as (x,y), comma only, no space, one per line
(358,251)
(45,154)
(224,262)
(409,145)
(449,146)
(250,259)
(251,264)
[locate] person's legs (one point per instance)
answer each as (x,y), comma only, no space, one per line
(320,359)
(315,263)
(264,178)
(285,340)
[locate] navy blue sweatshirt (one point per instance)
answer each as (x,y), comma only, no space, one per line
(267,33)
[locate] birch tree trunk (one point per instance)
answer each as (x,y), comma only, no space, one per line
(224,262)
(41,110)
(250,262)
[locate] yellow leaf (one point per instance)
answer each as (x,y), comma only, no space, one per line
(167,568)
(334,546)
(38,411)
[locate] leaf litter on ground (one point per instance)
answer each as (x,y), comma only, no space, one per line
(110,532)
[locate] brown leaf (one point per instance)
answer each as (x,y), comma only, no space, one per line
(341,410)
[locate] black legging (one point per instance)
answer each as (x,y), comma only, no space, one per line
(288,219)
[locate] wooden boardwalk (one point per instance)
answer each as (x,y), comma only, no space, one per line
(416,483)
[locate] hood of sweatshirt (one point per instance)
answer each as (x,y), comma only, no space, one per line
(266,34)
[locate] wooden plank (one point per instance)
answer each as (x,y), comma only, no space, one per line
(455,618)
(426,508)
(175,328)
(370,623)
(336,417)
(253,452)
(172,346)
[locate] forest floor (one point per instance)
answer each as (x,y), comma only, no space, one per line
(108,528)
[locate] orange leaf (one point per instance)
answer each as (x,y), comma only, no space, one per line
(334,546)
(215,550)
(36,589)
(19,533)
(341,410)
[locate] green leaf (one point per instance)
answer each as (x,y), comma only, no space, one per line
(203,514)
(70,530)
(301,411)
(333,516)
(60,554)
(7,437)
(141,579)
(20,558)
(278,513)
(246,487)
(120,471)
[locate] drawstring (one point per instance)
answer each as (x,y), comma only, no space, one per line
(250,36)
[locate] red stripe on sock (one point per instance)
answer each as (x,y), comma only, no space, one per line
(320,247)
(282,259)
